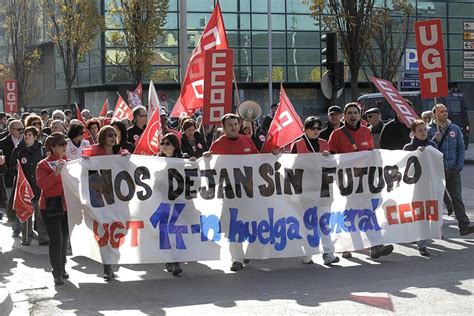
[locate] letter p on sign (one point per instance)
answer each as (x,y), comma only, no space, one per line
(431,60)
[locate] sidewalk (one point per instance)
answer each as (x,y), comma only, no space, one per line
(469,155)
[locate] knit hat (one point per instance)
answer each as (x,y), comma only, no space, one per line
(53,140)
(75,130)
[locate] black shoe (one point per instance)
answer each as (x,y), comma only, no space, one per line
(65,275)
(379,251)
(58,281)
(424,252)
(237,266)
(450,211)
(347,255)
(108,273)
(466,230)
(169,267)
(44,243)
(15,235)
(176,269)
(246,261)
(26,243)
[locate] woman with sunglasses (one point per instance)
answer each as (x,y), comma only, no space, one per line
(35,120)
(122,136)
(311,143)
(53,204)
(107,141)
(169,147)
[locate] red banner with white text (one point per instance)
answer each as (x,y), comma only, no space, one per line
(11,96)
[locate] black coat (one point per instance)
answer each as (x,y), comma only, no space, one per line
(394,135)
(29,158)
(6,144)
(325,133)
(187,148)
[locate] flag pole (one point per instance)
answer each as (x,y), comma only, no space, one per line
(436,113)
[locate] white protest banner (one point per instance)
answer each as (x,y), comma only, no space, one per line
(146,209)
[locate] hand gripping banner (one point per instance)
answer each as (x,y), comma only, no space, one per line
(146,209)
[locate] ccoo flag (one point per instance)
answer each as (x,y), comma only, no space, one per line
(286,125)
(149,142)
(23,195)
(213,37)
(122,110)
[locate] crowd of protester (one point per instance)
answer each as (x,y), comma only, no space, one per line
(41,145)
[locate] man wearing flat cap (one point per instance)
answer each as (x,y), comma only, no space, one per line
(334,122)
(374,117)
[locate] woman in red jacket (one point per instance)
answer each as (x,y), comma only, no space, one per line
(106,145)
(53,203)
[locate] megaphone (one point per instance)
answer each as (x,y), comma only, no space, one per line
(249,110)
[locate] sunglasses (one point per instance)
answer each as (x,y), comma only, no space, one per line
(62,144)
(165,144)
(19,129)
(313,128)
(112,135)
(36,123)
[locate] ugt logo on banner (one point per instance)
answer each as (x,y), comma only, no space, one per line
(431,61)
(217,84)
(11,96)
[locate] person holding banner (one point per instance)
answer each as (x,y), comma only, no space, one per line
(419,142)
(232,143)
(107,145)
(122,138)
(449,138)
(169,147)
(53,204)
(311,143)
(192,142)
(353,137)
(29,152)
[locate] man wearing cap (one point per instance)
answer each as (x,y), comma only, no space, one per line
(376,124)
(140,117)
(334,122)
(353,137)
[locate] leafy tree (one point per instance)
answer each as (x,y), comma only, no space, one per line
(21,33)
(73,25)
(142,22)
(389,36)
(351,20)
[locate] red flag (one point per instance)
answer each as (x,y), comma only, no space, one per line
(406,114)
(139,90)
(286,125)
(105,107)
(213,37)
(87,134)
(178,109)
(122,110)
(23,195)
(134,99)
(149,142)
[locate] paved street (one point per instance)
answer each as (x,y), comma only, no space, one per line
(402,283)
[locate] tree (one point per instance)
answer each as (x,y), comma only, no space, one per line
(72,25)
(351,20)
(142,22)
(21,33)
(389,35)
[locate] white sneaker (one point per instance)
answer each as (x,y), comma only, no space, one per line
(330,258)
(307,260)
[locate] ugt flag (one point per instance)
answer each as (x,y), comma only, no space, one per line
(149,142)
(286,125)
(23,195)
(122,110)
(214,36)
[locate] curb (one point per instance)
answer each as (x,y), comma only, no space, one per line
(6,304)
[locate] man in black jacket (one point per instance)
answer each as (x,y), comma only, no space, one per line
(140,118)
(394,135)
(334,122)
(7,144)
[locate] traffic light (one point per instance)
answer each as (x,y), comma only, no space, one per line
(339,75)
(330,51)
